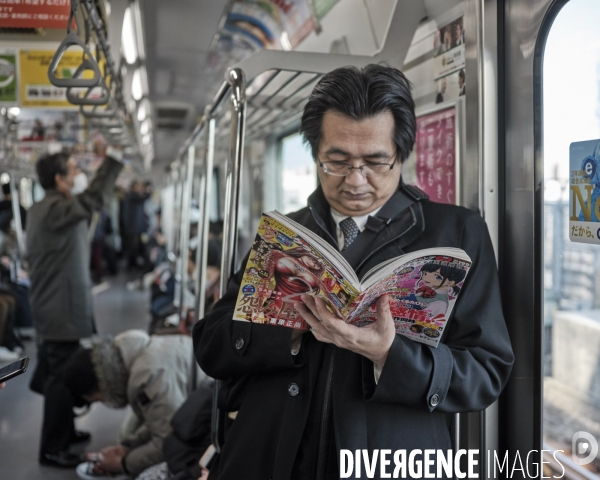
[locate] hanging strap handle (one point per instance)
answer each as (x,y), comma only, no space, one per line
(106,124)
(75,99)
(70,40)
(109,112)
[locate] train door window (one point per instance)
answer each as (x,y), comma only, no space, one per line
(571,270)
(298,171)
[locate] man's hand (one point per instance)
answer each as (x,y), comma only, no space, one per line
(111,458)
(373,341)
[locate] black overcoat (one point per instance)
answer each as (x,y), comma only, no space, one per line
(420,387)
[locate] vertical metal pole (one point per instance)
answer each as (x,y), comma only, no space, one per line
(14,195)
(184,239)
(234,171)
(177,205)
(203,229)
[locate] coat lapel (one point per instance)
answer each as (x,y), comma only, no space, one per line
(401,218)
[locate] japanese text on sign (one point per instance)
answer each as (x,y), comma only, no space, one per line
(436,155)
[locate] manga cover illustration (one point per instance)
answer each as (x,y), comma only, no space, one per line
(282,267)
(584,192)
(422,294)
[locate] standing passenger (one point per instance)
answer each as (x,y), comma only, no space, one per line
(301,396)
(61,298)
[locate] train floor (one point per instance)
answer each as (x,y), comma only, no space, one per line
(116,309)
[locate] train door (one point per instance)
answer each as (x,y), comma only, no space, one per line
(549,254)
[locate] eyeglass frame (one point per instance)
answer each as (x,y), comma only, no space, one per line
(360,168)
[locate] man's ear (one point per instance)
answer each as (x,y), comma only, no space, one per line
(57,179)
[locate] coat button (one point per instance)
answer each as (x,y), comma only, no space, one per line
(434,400)
(239,343)
(293,389)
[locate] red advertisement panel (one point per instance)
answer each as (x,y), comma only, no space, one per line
(436,155)
(34,13)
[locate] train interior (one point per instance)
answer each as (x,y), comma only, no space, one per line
(204,99)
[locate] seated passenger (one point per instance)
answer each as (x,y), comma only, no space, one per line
(152,374)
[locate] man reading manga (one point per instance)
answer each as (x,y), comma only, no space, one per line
(302,396)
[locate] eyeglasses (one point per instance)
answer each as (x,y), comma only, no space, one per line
(343,169)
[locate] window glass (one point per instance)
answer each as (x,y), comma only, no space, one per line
(298,172)
(571,276)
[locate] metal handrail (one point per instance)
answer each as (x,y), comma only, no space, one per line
(204,228)
(233,175)
(14,198)
(184,238)
(237,80)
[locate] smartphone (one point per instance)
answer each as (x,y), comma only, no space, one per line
(14,369)
(207,456)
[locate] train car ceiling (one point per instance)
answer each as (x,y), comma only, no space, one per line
(173,60)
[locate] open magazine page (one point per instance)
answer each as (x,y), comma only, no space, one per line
(422,293)
(283,266)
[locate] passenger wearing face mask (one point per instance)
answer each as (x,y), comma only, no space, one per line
(60,294)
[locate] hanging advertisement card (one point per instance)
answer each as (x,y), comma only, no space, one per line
(584,192)
(437,154)
(296,19)
(34,13)
(8,76)
(449,61)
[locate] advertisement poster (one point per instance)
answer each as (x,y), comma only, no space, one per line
(296,19)
(436,167)
(34,87)
(34,13)
(449,62)
(584,192)
(8,76)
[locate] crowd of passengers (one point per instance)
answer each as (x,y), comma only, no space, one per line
(80,234)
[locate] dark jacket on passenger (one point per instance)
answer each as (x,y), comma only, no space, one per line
(420,387)
(59,258)
(135,220)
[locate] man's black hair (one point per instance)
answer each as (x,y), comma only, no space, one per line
(6,189)
(48,166)
(454,274)
(79,374)
(361,94)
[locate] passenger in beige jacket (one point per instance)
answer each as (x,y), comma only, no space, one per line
(153,374)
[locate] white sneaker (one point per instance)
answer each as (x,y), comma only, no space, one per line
(7,356)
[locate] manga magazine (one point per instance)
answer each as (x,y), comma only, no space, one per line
(287,261)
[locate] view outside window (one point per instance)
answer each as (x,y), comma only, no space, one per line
(571,106)
(298,173)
